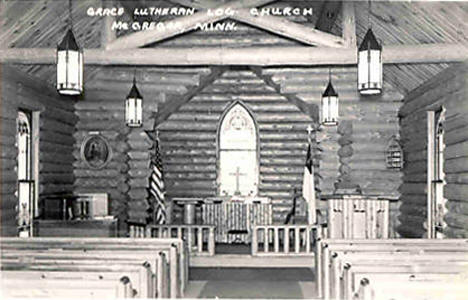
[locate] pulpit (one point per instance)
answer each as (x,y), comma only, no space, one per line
(357,216)
(235,216)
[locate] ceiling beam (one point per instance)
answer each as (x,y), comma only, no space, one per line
(107,34)
(328,14)
(178,26)
(277,25)
(348,24)
(254,56)
(174,104)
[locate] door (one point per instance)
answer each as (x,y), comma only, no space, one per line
(435,174)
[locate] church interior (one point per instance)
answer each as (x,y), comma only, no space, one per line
(268,149)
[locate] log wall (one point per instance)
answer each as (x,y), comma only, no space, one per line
(449,90)
(189,141)
(374,120)
(126,177)
(56,126)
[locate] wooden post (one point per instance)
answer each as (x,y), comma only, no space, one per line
(173,272)
(254,241)
(348,24)
(276,239)
(307,240)
(430,172)
(200,239)
(266,242)
(297,239)
(286,240)
(211,241)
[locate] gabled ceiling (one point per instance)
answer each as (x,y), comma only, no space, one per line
(42,24)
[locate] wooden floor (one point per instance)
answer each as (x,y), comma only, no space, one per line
(245,283)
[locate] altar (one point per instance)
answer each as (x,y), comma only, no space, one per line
(234,216)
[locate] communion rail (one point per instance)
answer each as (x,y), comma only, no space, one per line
(285,239)
(200,239)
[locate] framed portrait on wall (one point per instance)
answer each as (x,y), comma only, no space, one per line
(95,151)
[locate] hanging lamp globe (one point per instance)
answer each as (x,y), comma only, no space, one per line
(134,107)
(370,65)
(69,66)
(330,106)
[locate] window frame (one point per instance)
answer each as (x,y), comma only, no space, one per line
(218,146)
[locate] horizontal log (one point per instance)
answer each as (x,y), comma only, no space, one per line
(55,188)
(47,178)
(456,165)
(456,136)
(86,173)
(457,207)
(456,192)
(413,188)
(391,54)
(461,178)
(139,182)
(55,167)
(455,233)
(189,176)
(138,193)
(456,220)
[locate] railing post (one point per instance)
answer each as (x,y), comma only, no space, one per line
(297,240)
(276,239)
(211,241)
(254,240)
(148,231)
(200,239)
(266,242)
(286,239)
(307,238)
(189,238)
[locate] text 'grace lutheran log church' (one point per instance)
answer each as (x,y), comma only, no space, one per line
(233,149)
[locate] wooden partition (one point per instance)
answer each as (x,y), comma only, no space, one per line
(343,264)
(200,239)
(285,239)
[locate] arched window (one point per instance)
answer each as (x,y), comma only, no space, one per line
(238,163)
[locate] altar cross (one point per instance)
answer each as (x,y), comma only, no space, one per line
(237,174)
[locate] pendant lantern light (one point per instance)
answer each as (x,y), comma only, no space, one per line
(370,64)
(330,104)
(134,106)
(69,63)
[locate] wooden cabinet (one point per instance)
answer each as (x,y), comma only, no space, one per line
(357,217)
(76,228)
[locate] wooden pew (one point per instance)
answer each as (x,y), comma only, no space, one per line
(391,272)
(139,275)
(158,287)
(328,247)
(16,285)
(177,251)
(414,286)
(343,286)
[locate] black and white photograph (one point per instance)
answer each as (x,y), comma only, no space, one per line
(234,149)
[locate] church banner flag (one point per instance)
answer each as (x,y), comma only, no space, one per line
(157,189)
(308,187)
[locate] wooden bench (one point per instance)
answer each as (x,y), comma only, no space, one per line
(414,286)
(159,281)
(331,267)
(17,285)
(175,247)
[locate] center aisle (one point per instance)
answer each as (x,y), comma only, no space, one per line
(271,283)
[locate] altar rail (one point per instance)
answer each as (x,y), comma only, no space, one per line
(200,239)
(285,239)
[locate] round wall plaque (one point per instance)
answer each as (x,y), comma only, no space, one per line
(95,151)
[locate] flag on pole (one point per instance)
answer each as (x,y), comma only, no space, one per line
(157,189)
(308,187)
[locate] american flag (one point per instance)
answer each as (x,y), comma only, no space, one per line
(157,189)
(308,186)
